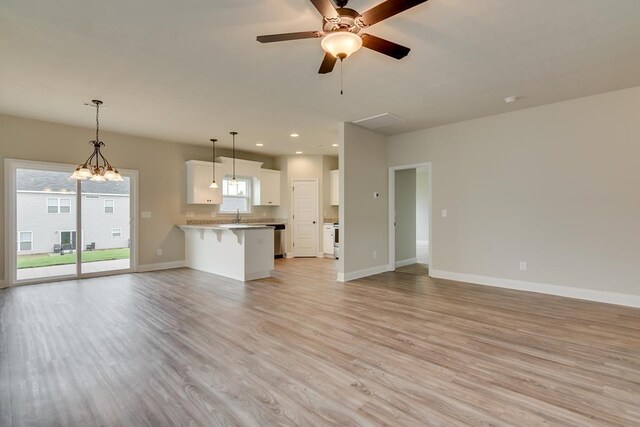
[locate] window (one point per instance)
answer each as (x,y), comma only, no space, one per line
(52,205)
(236,197)
(55,205)
(116,232)
(25,241)
(109,206)
(65,206)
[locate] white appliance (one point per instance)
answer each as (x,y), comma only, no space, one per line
(336,240)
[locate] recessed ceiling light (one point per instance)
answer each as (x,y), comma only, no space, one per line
(294,135)
(259,144)
(510,99)
(334,145)
(298,152)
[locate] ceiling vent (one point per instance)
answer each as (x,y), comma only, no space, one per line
(379,121)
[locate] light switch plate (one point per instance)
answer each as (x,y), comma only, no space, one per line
(145,214)
(444,213)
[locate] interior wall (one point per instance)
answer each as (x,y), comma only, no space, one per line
(554,186)
(422,205)
(364,243)
(330,212)
(405,219)
(162,179)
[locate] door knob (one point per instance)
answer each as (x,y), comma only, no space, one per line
(314,222)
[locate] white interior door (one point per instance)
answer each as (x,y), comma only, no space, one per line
(305,218)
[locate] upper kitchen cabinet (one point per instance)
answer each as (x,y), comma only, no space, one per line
(199,177)
(335,187)
(266,188)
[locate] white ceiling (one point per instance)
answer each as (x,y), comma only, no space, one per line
(191,70)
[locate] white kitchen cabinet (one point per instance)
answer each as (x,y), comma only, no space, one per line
(335,187)
(199,177)
(266,188)
(327,238)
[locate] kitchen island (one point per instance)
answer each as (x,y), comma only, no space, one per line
(238,251)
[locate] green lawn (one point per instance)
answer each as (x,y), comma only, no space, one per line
(47,260)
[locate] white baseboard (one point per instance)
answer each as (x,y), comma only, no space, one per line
(543,288)
(345,277)
(161,266)
(406,262)
(289,255)
(257,275)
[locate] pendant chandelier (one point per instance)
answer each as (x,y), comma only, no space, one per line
(213,184)
(97,167)
(234,181)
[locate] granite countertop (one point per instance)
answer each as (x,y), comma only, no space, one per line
(252,221)
(226,226)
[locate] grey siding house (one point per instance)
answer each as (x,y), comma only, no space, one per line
(46,208)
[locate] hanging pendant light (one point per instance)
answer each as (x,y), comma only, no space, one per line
(213,185)
(234,181)
(96,171)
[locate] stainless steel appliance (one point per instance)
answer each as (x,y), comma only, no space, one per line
(336,240)
(278,241)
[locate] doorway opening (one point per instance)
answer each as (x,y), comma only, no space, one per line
(59,228)
(410,219)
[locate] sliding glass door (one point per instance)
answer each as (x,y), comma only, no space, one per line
(106,231)
(62,228)
(46,218)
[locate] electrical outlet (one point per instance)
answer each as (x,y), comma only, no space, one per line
(145,214)
(375,254)
(159,252)
(376,195)
(523,265)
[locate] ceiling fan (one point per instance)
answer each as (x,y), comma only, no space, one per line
(340,28)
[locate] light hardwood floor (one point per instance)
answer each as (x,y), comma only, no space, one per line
(180,347)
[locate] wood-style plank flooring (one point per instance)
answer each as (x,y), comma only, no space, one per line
(414,269)
(183,347)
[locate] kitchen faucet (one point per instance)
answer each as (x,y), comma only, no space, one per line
(237,220)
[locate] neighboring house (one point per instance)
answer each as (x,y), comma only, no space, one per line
(46,212)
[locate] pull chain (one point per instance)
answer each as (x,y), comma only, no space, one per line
(341,91)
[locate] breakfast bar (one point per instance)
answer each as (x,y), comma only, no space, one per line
(239,251)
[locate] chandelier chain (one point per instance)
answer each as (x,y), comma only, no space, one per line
(97,122)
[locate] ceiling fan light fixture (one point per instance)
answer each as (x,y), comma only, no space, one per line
(341,44)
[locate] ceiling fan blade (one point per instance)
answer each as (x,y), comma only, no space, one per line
(289,36)
(387,9)
(328,63)
(326,8)
(386,47)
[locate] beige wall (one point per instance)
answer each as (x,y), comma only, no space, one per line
(422,204)
(329,163)
(405,219)
(162,175)
(363,218)
(555,186)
